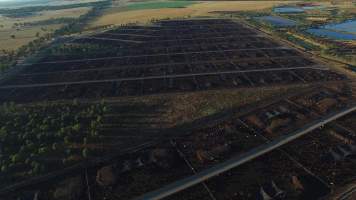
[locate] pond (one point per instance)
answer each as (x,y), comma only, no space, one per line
(353,68)
(341,31)
(288,9)
(312,7)
(347,26)
(278,21)
(331,34)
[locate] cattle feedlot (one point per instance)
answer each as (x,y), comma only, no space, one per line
(83,140)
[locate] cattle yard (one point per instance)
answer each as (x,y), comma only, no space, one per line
(177,56)
(169,56)
(325,161)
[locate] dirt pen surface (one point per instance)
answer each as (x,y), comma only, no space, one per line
(116,17)
(170,57)
(162,102)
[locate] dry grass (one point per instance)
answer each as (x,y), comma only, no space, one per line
(115,17)
(181,108)
(351,9)
(322,19)
(23,35)
(306,39)
(339,4)
(188,107)
(138,16)
(13,44)
(44,15)
(352,42)
(70,13)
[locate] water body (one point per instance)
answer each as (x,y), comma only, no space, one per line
(352,67)
(278,21)
(341,31)
(312,7)
(348,26)
(288,9)
(331,34)
(292,9)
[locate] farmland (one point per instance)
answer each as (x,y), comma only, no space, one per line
(158,5)
(23,34)
(33,28)
(122,112)
(118,16)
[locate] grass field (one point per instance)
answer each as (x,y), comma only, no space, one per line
(44,15)
(158,4)
(24,35)
(118,16)
(338,4)
(68,13)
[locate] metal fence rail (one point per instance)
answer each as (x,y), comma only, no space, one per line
(240,159)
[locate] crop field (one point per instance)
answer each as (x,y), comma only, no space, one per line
(201,55)
(325,161)
(157,5)
(118,16)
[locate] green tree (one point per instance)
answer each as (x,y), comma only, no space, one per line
(85,152)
